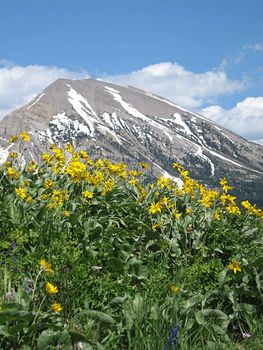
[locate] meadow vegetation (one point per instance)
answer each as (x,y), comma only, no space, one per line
(94,257)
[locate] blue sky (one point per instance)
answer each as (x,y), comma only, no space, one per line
(213,49)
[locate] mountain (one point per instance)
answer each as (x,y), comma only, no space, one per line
(130,125)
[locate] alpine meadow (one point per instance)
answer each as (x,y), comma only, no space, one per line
(94,256)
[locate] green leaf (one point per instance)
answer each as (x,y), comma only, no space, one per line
(4,331)
(50,338)
(101,316)
(222,277)
(199,316)
(117,301)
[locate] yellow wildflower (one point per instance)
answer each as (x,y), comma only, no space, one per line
(115,169)
(208,197)
(56,307)
(124,175)
(177,215)
(32,167)
(163,182)
(30,200)
(48,183)
(83,154)
(164,201)
(51,288)
(76,170)
(178,166)
(45,196)
(251,209)
(88,194)
(189,211)
(57,170)
(46,157)
(66,195)
(232,208)
(133,182)
(99,164)
(227,198)
(224,185)
(10,171)
(7,164)
(12,155)
(69,148)
(24,136)
(57,197)
(107,187)
(95,179)
(189,186)
(184,174)
(133,173)
(235,266)
(144,165)
(158,225)
(179,192)
(21,192)
(59,156)
(66,213)
(45,266)
(143,192)
(217,215)
(175,289)
(89,162)
(155,208)
(13,138)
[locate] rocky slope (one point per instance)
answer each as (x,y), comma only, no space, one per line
(131,125)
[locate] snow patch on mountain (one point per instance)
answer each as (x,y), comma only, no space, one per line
(37,100)
(61,126)
(129,108)
(258,141)
(226,136)
(137,114)
(199,153)
(83,108)
(112,120)
(178,120)
(105,130)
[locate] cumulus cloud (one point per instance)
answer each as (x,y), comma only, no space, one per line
(19,85)
(246,118)
(189,89)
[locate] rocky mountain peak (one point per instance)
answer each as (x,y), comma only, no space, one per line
(131,125)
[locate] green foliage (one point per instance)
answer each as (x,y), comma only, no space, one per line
(136,266)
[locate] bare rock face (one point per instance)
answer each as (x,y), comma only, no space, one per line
(130,125)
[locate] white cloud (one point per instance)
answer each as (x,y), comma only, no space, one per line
(189,89)
(245,119)
(19,85)
(254,47)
